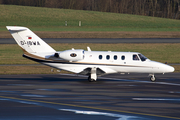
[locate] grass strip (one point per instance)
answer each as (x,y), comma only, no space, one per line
(52,19)
(162,52)
(7,70)
(105,34)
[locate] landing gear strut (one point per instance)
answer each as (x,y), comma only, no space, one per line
(152,77)
(91,79)
(93,76)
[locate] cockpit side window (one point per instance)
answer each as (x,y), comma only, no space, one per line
(142,57)
(135,57)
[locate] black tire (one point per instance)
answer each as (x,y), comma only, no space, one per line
(153,78)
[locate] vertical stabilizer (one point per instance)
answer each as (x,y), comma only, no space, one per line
(29,41)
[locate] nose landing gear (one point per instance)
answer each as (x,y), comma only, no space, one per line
(152,77)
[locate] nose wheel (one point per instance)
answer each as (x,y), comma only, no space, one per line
(152,77)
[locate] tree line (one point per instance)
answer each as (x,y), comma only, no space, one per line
(155,8)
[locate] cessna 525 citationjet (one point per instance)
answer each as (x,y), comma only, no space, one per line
(90,63)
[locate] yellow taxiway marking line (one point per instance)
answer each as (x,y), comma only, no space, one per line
(81,106)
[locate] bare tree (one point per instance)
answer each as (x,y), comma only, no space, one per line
(1,1)
(158,8)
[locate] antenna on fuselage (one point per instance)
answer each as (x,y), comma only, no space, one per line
(88,48)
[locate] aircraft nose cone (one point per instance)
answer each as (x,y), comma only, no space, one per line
(170,69)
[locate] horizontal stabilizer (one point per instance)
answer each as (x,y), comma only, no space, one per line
(13,28)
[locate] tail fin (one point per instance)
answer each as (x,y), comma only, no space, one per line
(29,41)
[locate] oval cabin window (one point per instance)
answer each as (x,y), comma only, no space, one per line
(123,57)
(115,57)
(100,57)
(107,57)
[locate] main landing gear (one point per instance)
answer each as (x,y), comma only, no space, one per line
(91,79)
(152,77)
(93,76)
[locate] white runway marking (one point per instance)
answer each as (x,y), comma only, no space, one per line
(24,102)
(120,117)
(155,99)
(173,92)
(33,95)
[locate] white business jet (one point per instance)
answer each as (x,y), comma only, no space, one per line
(90,63)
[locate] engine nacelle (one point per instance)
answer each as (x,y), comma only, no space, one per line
(71,55)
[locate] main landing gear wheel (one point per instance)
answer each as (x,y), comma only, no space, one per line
(152,78)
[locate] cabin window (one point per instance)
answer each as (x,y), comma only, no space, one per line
(107,57)
(115,57)
(135,57)
(123,57)
(142,57)
(100,57)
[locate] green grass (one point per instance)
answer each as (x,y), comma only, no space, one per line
(29,70)
(12,54)
(51,19)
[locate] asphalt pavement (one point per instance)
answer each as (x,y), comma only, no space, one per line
(71,96)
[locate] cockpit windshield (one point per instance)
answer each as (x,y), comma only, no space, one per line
(142,57)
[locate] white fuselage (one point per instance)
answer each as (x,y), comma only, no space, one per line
(112,62)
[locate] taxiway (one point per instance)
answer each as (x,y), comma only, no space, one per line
(70,96)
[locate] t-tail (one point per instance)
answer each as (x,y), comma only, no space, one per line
(29,41)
